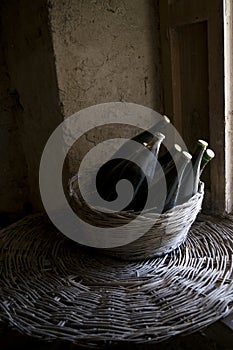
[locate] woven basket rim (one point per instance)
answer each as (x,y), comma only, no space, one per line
(133,214)
(154,234)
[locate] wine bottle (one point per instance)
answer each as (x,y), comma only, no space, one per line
(173,180)
(128,169)
(148,169)
(167,158)
(147,135)
(207,156)
(142,138)
(191,176)
(127,150)
(172,176)
(197,157)
(167,163)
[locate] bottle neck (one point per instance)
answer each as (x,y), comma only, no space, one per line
(208,155)
(177,168)
(182,163)
(198,154)
(175,181)
(155,143)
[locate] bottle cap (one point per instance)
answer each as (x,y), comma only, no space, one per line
(166,119)
(187,155)
(159,135)
(202,143)
(177,147)
(209,154)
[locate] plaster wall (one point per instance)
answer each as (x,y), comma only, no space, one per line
(105,51)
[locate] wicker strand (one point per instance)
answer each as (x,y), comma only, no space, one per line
(168,231)
(52,288)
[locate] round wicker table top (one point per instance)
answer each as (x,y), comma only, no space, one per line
(51,288)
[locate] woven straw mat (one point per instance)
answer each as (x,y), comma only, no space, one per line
(51,288)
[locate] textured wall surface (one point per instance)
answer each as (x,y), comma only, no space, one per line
(106,51)
(13,174)
(30,60)
(63,56)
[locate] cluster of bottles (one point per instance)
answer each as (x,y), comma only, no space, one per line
(180,169)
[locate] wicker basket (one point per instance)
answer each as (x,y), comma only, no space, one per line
(168,231)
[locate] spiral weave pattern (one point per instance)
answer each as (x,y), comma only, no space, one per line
(52,288)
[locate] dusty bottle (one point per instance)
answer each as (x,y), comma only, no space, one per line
(190,180)
(166,159)
(139,176)
(147,135)
(207,156)
(174,178)
(165,189)
(197,158)
(167,162)
(127,150)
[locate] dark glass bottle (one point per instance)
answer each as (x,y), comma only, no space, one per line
(166,159)
(127,150)
(207,156)
(147,135)
(197,158)
(143,137)
(191,176)
(174,178)
(167,163)
(127,169)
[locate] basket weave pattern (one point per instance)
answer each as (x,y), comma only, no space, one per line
(169,230)
(52,288)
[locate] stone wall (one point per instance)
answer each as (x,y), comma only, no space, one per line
(31,68)
(65,55)
(106,51)
(14,193)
